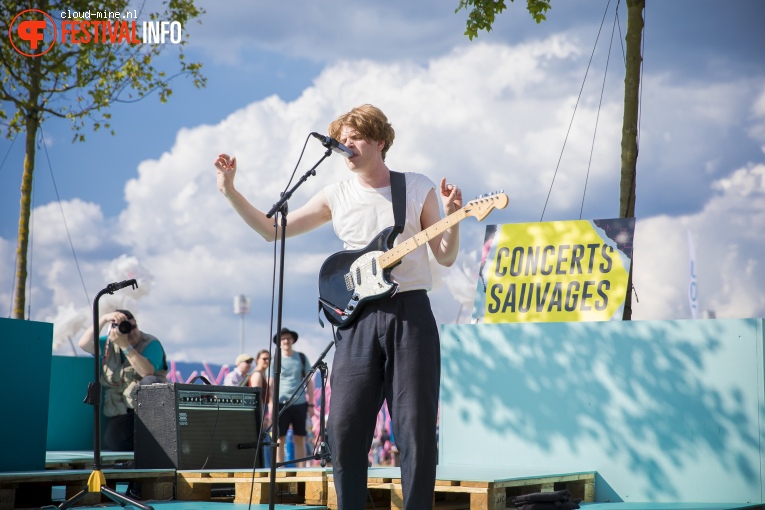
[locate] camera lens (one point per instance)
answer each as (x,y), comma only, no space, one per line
(125,327)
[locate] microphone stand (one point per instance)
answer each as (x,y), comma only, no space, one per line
(322,452)
(280,208)
(97,480)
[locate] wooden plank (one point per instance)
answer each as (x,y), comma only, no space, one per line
(34,489)
(473,494)
(304,486)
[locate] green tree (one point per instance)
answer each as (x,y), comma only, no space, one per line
(78,82)
(482,14)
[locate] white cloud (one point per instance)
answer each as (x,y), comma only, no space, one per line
(84,222)
(485,116)
(728,240)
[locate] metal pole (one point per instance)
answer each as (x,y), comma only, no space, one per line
(241,334)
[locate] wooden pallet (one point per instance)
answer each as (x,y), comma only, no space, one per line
(34,489)
(306,486)
(468,493)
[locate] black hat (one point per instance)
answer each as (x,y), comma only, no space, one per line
(286,331)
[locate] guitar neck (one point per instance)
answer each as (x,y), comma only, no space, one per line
(394,255)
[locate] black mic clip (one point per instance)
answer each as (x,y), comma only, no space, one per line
(113,287)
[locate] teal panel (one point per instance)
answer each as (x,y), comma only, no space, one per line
(25,360)
(70,423)
(662,411)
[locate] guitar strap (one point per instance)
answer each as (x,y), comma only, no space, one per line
(398,198)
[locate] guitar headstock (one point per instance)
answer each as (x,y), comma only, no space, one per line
(484,204)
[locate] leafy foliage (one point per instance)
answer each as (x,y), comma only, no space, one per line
(77,81)
(483,12)
(80,81)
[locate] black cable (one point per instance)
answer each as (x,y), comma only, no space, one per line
(212,437)
(8,152)
(597,117)
(271,347)
(294,170)
(621,38)
(574,113)
(61,207)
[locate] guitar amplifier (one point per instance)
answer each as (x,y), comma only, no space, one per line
(197,426)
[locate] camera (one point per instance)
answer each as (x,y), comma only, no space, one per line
(125,327)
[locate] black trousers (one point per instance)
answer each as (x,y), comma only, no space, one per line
(118,436)
(392,352)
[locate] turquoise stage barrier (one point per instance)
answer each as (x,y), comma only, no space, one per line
(663,411)
(70,419)
(25,366)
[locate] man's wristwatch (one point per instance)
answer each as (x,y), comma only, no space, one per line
(127,349)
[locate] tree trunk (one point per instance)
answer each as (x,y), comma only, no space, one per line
(634,37)
(32,124)
(32,119)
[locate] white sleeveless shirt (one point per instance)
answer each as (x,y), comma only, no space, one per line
(360,213)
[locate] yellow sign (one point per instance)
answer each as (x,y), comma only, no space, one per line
(563,271)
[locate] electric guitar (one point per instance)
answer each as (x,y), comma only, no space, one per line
(350,278)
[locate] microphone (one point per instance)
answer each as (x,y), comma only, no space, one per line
(331,143)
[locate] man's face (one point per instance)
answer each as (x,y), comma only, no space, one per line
(287,341)
(365,153)
(244,366)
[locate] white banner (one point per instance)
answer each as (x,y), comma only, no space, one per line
(693,290)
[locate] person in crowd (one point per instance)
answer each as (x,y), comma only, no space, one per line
(295,366)
(129,357)
(392,349)
(259,379)
(259,376)
(241,372)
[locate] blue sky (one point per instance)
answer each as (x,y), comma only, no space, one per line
(491,113)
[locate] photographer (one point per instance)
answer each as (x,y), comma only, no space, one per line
(129,357)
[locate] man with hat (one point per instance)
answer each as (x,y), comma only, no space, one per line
(240,372)
(294,368)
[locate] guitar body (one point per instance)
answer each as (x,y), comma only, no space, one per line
(350,278)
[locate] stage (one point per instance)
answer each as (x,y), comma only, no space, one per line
(654,415)
(457,488)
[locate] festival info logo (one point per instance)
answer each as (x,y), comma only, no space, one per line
(32,33)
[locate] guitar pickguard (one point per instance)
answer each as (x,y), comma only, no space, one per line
(365,279)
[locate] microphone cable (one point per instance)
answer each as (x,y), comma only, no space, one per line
(212,437)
